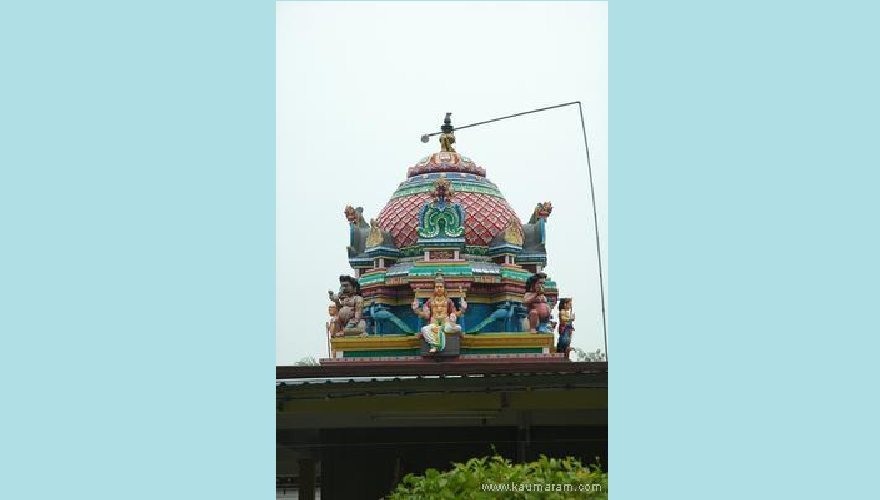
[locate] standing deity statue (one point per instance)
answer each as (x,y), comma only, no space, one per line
(536,303)
(332,330)
(350,306)
(566,326)
(441,314)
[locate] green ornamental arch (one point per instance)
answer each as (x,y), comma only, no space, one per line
(446,221)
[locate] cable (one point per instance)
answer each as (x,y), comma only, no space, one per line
(424,137)
(596,224)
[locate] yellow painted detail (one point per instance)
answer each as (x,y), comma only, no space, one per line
(490,340)
(373,342)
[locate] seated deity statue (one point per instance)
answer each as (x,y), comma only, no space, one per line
(350,306)
(441,314)
(536,303)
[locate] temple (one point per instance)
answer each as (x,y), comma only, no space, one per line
(442,345)
(445,270)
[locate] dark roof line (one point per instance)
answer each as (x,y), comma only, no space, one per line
(436,368)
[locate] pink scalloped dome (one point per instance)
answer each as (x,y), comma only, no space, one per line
(486,211)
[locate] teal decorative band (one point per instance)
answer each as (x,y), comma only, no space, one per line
(371,278)
(500,350)
(516,275)
(415,251)
(505,248)
(380,353)
(382,252)
(532,258)
(446,270)
(457,186)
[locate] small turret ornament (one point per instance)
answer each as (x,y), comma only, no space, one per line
(447,138)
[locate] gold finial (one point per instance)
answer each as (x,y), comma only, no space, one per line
(447,138)
(446,142)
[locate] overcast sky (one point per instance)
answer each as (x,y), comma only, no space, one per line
(359,83)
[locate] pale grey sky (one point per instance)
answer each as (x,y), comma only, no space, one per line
(357,84)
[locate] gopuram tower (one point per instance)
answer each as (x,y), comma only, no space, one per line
(445,272)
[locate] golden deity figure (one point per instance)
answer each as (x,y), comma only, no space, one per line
(446,142)
(441,313)
(374,239)
(447,138)
(513,232)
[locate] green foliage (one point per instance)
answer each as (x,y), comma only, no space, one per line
(589,356)
(496,477)
(307,361)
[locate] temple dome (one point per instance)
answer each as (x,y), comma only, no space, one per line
(487,213)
